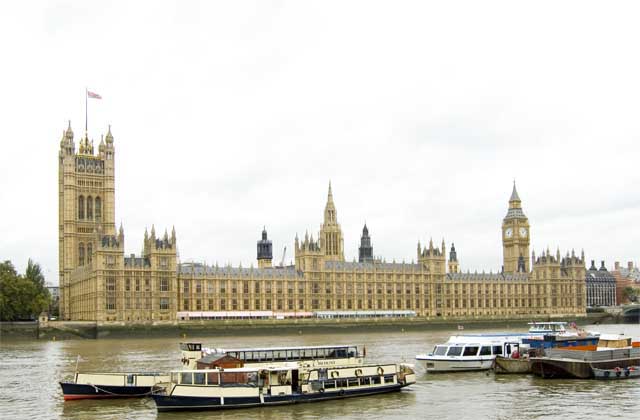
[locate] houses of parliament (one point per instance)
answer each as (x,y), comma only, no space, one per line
(99,282)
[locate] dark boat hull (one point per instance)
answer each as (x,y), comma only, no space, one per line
(563,368)
(73,391)
(175,403)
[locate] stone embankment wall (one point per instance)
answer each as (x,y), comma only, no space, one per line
(57,330)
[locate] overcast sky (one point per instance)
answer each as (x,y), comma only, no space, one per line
(228,116)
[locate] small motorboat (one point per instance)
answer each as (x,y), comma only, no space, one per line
(617,373)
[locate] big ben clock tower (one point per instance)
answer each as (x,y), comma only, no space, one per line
(515,237)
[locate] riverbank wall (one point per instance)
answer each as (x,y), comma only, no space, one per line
(61,330)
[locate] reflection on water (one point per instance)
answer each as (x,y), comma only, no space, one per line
(31,371)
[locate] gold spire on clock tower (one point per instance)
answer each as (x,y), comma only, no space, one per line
(515,236)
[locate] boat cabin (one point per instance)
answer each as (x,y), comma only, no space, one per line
(554,327)
(219,360)
(475,349)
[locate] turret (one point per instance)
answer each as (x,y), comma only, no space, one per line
(265,251)
(330,239)
(453,260)
(365,252)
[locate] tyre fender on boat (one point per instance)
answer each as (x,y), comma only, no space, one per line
(380,371)
(335,374)
(358,372)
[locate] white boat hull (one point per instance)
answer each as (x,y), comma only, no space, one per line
(451,364)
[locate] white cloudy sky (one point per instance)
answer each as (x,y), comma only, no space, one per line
(232,115)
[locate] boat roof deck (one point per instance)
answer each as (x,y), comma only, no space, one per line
(341,346)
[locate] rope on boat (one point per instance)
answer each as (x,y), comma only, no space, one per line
(97,388)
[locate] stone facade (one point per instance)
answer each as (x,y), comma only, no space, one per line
(98,282)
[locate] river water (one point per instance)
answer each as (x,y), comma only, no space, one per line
(30,371)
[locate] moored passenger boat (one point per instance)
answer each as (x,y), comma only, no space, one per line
(470,352)
(214,389)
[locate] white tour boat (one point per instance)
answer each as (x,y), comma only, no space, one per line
(470,352)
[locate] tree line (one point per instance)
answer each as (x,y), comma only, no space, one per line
(22,296)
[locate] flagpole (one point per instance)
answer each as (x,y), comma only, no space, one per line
(86,93)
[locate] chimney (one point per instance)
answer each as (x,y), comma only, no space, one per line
(602,267)
(616,266)
(630,265)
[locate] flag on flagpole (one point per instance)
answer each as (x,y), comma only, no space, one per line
(93,95)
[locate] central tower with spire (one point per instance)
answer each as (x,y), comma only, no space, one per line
(515,236)
(331,241)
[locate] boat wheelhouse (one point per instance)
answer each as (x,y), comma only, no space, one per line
(338,355)
(213,389)
(544,328)
(470,352)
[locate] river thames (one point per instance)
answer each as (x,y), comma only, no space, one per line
(31,370)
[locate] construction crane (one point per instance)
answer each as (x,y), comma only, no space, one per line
(284,254)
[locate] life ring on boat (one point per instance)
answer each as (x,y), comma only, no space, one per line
(335,374)
(380,371)
(358,372)
(618,372)
(321,390)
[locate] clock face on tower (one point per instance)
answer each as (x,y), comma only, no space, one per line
(523,232)
(508,233)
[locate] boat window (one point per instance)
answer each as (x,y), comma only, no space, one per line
(440,350)
(198,378)
(497,349)
(470,351)
(186,378)
(485,351)
(454,351)
(175,377)
(213,378)
(252,378)
(353,382)
(375,380)
(129,379)
(389,379)
(329,384)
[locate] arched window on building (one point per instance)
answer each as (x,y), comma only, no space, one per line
(89,208)
(89,252)
(81,207)
(81,254)
(98,208)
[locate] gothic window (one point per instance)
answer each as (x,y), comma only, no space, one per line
(81,207)
(81,254)
(98,208)
(89,208)
(89,252)
(164,304)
